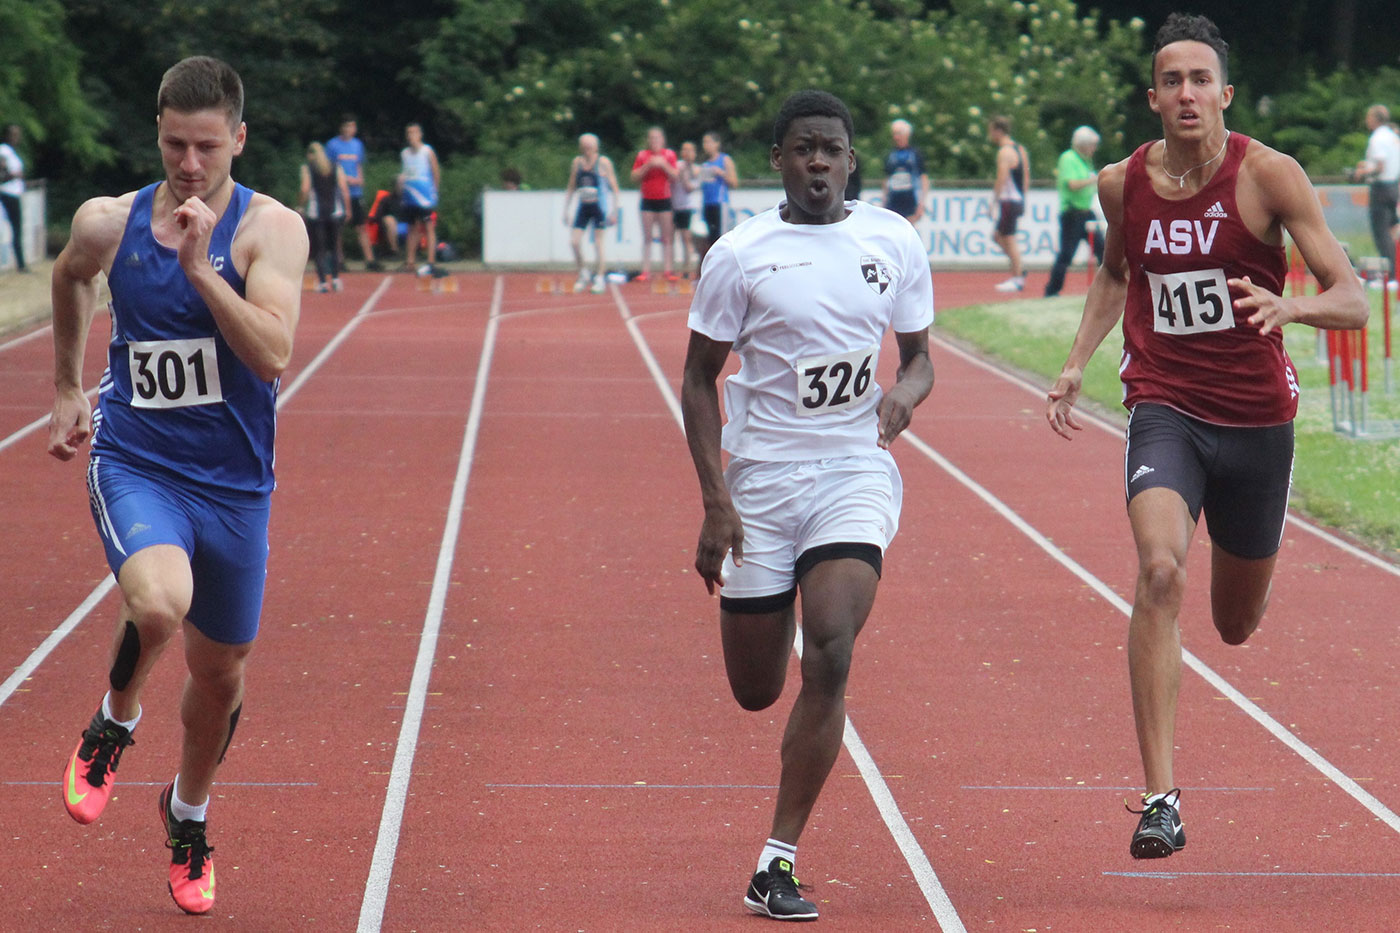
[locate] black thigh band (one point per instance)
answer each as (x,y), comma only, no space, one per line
(809,558)
(758,605)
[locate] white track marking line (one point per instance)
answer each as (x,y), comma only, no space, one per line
(40,422)
(47,646)
(25,338)
(1117,431)
(935,895)
(1250,708)
(391,820)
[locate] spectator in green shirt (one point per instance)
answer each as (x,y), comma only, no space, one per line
(1076,181)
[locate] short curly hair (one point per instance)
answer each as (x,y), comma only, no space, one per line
(1188,27)
(811,104)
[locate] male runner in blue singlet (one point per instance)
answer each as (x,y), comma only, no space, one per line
(592,176)
(205,277)
(906,183)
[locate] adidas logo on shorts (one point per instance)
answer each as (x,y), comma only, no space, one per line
(1141,472)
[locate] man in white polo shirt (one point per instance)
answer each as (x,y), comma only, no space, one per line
(803,294)
(1381,168)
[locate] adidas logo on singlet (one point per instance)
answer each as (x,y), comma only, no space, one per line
(1215,210)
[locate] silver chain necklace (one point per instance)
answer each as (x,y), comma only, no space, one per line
(1181,179)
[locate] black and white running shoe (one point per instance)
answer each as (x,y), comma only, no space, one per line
(1159,832)
(773,893)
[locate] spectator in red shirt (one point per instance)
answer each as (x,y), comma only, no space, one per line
(654,169)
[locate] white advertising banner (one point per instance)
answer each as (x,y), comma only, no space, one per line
(528,227)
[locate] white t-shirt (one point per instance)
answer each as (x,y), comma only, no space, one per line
(1383,150)
(683,198)
(14,167)
(806,307)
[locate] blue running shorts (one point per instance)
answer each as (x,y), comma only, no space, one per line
(225,538)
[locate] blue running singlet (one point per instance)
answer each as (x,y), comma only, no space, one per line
(175,397)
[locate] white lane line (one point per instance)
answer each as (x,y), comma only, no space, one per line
(1103,424)
(934,894)
(40,422)
(47,646)
(1250,708)
(25,338)
(386,844)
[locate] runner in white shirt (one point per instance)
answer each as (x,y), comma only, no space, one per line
(803,294)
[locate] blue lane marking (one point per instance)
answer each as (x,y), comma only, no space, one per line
(163,783)
(1168,875)
(1100,787)
(642,786)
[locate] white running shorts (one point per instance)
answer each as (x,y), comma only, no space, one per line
(790,507)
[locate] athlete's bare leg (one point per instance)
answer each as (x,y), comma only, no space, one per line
(576,244)
(1239,593)
(156,586)
(212,692)
(598,249)
(651,223)
(1162,529)
(1012,249)
(668,236)
(431,227)
(756,650)
(836,600)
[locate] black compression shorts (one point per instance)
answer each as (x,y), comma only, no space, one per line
(1239,476)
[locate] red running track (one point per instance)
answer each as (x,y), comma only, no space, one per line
(488,693)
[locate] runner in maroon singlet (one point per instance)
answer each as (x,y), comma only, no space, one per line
(1194,264)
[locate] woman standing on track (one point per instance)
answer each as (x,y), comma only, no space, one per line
(324,195)
(654,170)
(804,295)
(1194,265)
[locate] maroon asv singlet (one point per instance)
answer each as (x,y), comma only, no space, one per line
(1182,343)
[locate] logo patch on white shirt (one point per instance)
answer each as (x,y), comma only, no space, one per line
(876,273)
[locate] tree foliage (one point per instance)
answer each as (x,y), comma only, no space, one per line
(40,88)
(501,83)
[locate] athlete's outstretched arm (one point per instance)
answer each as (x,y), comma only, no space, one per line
(571,187)
(1286,193)
(722,528)
(96,232)
(260,326)
(1103,306)
(610,174)
(912,385)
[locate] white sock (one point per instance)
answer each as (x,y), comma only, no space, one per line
(107,711)
(1149,801)
(186,811)
(774,849)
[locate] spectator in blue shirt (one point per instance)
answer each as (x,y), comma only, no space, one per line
(348,152)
